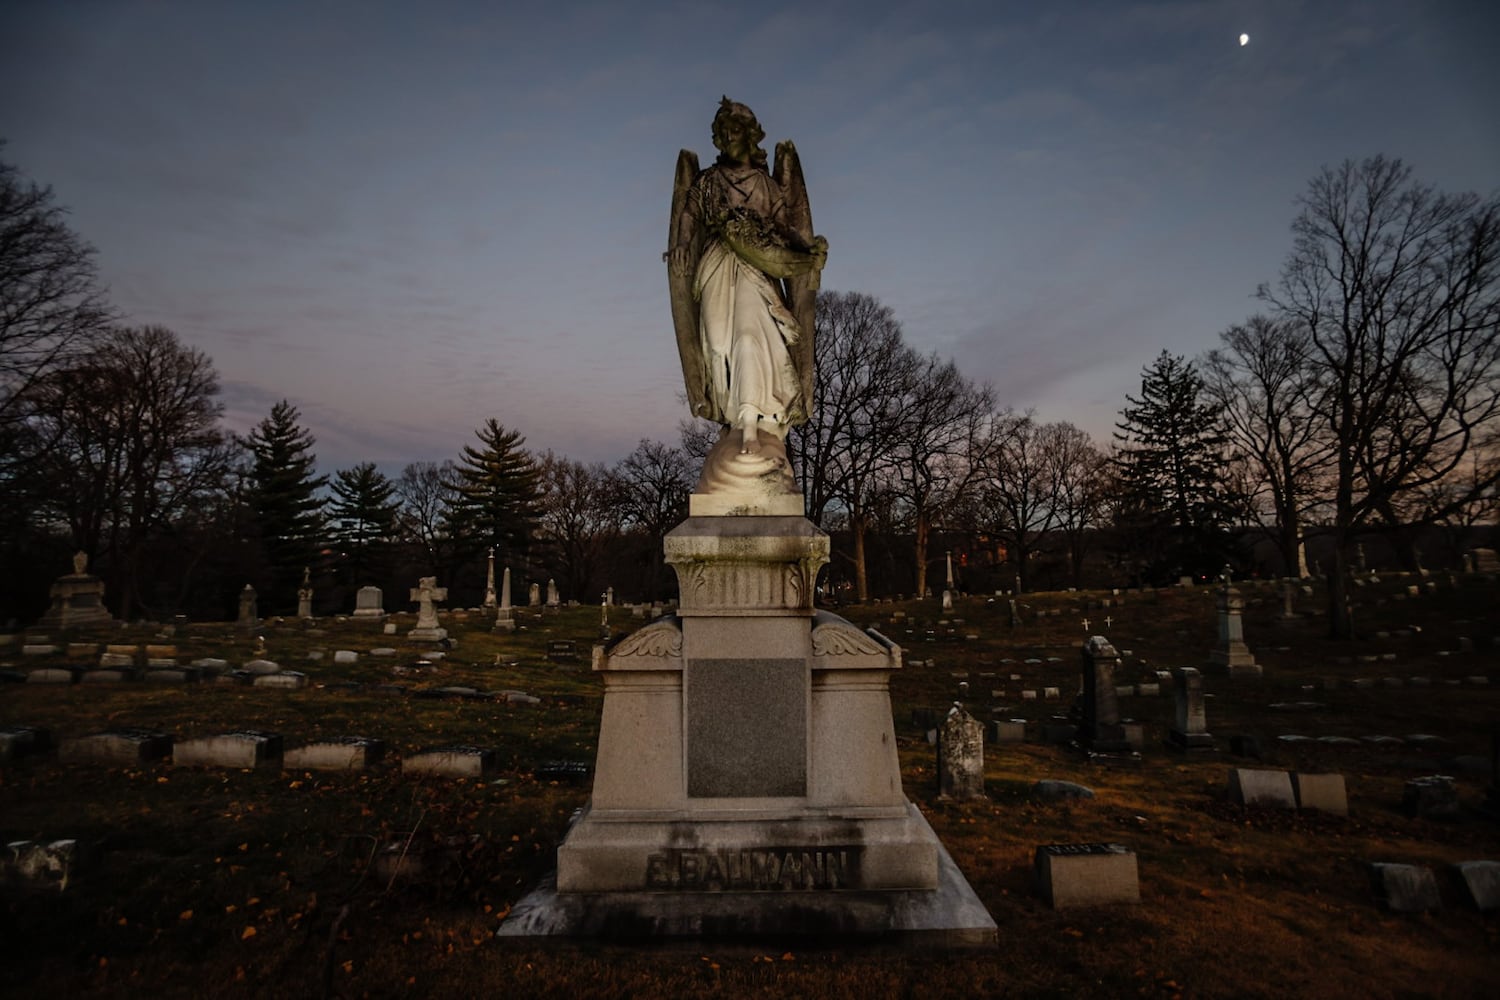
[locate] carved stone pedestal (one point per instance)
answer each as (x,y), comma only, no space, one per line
(747,783)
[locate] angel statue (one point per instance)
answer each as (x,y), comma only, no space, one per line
(743,266)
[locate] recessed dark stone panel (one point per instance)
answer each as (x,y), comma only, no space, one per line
(746,728)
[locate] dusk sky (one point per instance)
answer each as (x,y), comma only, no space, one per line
(407,218)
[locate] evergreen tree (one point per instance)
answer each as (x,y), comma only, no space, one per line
(363,516)
(499,495)
(287,511)
(1174,502)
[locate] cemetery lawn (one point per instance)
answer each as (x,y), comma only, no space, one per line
(292,883)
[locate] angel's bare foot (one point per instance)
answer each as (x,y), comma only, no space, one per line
(749,436)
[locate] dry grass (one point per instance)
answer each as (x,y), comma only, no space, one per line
(240,884)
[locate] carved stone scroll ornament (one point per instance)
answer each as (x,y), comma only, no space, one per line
(660,638)
(843,639)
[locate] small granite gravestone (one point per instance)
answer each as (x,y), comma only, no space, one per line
(23,741)
(249,616)
(1189,730)
(245,749)
(39,866)
(454,761)
(1481,882)
(1406,888)
(369,603)
(116,746)
(284,679)
(343,753)
(1071,875)
(1321,792)
(1253,787)
(960,756)
(1100,730)
(1432,797)
(1231,654)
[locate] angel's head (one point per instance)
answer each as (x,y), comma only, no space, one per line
(737,135)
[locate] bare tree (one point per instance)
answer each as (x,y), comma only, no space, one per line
(1018,486)
(652,484)
(1268,394)
(942,421)
(844,452)
(50,304)
(1396,286)
(428,496)
(1081,479)
(133,443)
(580,519)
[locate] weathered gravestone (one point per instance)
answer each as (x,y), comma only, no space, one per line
(1481,883)
(1231,655)
(1072,875)
(552,598)
(369,603)
(426,593)
(562,651)
(505,615)
(1405,888)
(305,595)
(116,746)
(1256,787)
(1189,730)
(23,741)
(342,753)
(1434,796)
(1321,792)
(960,759)
(534,595)
(249,616)
(243,749)
(1100,730)
(77,599)
(452,761)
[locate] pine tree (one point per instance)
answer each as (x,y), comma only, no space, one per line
(499,494)
(283,498)
(1174,499)
(363,518)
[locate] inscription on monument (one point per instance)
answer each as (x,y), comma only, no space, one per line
(771,869)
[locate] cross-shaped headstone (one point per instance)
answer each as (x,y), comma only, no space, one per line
(1085,624)
(425,593)
(1109,620)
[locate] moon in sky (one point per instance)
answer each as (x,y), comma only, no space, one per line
(1244,39)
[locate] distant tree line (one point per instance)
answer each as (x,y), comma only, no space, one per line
(1364,402)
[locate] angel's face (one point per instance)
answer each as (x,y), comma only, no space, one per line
(735,138)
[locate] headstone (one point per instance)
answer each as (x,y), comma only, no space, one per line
(490,600)
(243,749)
(1072,875)
(426,594)
(1100,730)
(534,595)
(285,679)
(124,747)
(1232,655)
(1481,882)
(505,614)
(1321,792)
(453,761)
(23,741)
(1485,561)
(1050,790)
(960,756)
(53,675)
(1406,888)
(344,657)
(342,753)
(562,651)
(34,865)
(261,666)
(369,603)
(305,595)
(1432,797)
(249,616)
(552,598)
(1253,787)
(1189,729)
(1007,730)
(77,599)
